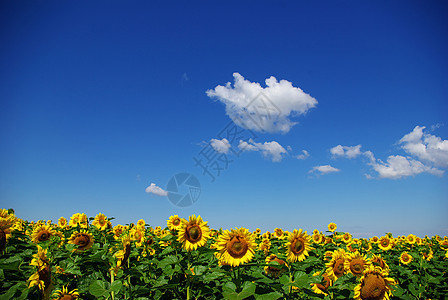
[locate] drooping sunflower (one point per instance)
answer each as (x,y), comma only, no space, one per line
(428,254)
(385,243)
(193,233)
(123,254)
(101,222)
(336,266)
(42,277)
(332,227)
(64,294)
(42,233)
(356,263)
(174,222)
(273,270)
(374,285)
(83,239)
(321,288)
(378,261)
(298,245)
(405,258)
(235,247)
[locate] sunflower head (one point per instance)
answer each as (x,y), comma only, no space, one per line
(374,285)
(101,222)
(83,239)
(42,233)
(378,261)
(405,258)
(355,263)
(298,246)
(62,222)
(193,233)
(321,288)
(235,247)
(411,239)
(385,243)
(332,227)
(174,222)
(273,270)
(64,294)
(336,266)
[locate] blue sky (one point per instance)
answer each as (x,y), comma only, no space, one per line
(100,100)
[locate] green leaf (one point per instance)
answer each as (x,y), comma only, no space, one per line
(116,286)
(169,260)
(248,290)
(269,296)
(98,288)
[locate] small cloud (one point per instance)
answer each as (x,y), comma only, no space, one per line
(263,109)
(185,77)
(304,155)
(346,151)
(272,150)
(220,146)
(154,189)
(325,169)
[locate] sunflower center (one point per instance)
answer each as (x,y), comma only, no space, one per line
(82,240)
(66,297)
(237,247)
(297,246)
(357,266)
(193,233)
(176,222)
(374,287)
(43,236)
(384,243)
(338,268)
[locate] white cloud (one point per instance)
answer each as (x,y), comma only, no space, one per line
(272,150)
(304,155)
(220,146)
(325,169)
(269,109)
(154,189)
(346,151)
(398,166)
(426,147)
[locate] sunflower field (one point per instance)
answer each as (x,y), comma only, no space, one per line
(88,258)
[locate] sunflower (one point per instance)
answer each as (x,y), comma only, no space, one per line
(123,254)
(411,239)
(141,223)
(257,231)
(266,235)
(378,261)
(101,222)
(118,231)
(374,239)
(193,233)
(42,277)
(174,222)
(321,288)
(346,237)
(42,233)
(374,285)
(317,238)
(271,269)
(355,263)
(137,235)
(62,222)
(278,233)
(265,245)
(64,294)
(405,258)
(298,245)
(385,243)
(235,247)
(83,239)
(428,254)
(332,227)
(7,223)
(336,266)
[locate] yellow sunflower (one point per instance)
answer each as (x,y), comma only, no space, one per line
(174,222)
(64,294)
(321,288)
(405,258)
(317,238)
(346,237)
(123,254)
(193,233)
(62,222)
(278,233)
(265,245)
(141,223)
(374,284)
(374,239)
(137,235)
(298,246)
(385,243)
(83,239)
(42,277)
(118,231)
(7,223)
(355,263)
(332,227)
(273,270)
(336,266)
(101,222)
(42,233)
(235,247)
(411,239)
(428,254)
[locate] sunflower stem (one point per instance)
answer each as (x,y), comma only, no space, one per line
(112,293)
(188,275)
